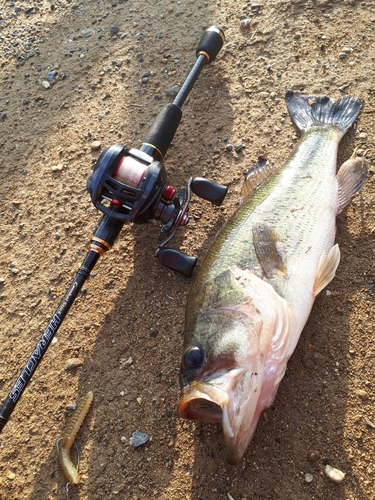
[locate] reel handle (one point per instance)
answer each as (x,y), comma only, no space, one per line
(209,190)
(177,261)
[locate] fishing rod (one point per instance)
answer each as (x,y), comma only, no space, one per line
(130,185)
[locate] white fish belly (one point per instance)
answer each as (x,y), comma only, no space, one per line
(302,210)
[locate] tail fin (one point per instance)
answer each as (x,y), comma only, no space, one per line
(318,111)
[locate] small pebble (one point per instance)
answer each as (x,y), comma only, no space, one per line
(56,168)
(51,76)
(85,33)
(334,474)
(313,456)
(172,91)
(95,145)
(139,438)
(362,136)
(228,147)
(57,236)
(245,24)
(342,55)
(72,406)
(73,363)
(308,477)
(238,147)
(54,341)
(361,393)
(46,84)
(114,30)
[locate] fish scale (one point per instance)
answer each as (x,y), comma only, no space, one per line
(257,284)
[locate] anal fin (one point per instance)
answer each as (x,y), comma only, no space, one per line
(268,249)
(351,177)
(326,269)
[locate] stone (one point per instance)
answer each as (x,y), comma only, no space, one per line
(85,33)
(95,145)
(72,364)
(139,438)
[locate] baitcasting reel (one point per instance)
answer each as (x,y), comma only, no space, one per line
(135,184)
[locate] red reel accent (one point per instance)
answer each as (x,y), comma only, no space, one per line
(169,193)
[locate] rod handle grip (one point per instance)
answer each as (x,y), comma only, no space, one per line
(211,43)
(162,131)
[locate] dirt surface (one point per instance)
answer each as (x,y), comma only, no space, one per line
(126,328)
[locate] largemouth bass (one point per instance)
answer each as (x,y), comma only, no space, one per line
(257,284)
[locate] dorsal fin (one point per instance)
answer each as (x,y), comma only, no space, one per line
(255,176)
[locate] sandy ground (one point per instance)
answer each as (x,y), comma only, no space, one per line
(326,400)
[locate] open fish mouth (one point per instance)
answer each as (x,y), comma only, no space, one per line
(231,400)
(197,405)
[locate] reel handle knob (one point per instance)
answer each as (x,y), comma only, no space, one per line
(177,261)
(209,190)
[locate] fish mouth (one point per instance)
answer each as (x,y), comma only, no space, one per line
(200,408)
(231,400)
(197,404)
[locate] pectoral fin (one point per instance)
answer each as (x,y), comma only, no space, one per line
(351,177)
(268,248)
(326,269)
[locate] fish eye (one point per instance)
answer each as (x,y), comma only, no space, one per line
(193,357)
